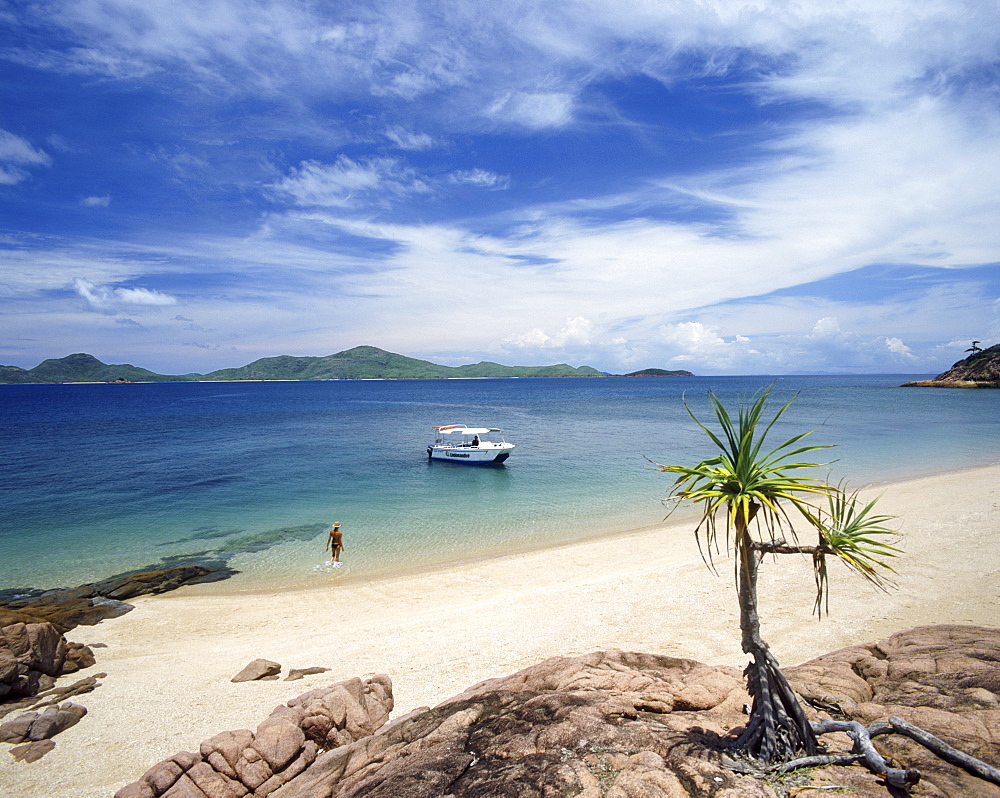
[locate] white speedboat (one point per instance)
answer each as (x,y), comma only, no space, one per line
(458,443)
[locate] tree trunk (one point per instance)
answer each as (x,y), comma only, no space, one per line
(778,729)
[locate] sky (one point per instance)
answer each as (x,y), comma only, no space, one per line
(720,186)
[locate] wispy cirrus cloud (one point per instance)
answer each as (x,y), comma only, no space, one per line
(109,299)
(481,178)
(690,182)
(17,157)
(349,183)
(408,140)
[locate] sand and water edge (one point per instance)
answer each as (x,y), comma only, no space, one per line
(435,632)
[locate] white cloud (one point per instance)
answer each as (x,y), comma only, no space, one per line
(16,157)
(408,140)
(107,299)
(481,178)
(348,183)
(892,157)
(577,331)
(534,110)
(102,201)
(897,347)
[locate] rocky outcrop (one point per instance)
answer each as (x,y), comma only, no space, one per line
(35,726)
(32,655)
(89,604)
(238,763)
(610,725)
(981,369)
(944,679)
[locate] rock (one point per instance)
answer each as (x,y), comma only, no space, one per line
(91,603)
(604,724)
(241,762)
(41,725)
(28,654)
(78,657)
(36,646)
(341,714)
(258,669)
(981,369)
(32,752)
(944,679)
(31,657)
(613,724)
(621,724)
(52,695)
(64,614)
(297,673)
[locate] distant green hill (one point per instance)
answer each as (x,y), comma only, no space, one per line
(369,362)
(362,362)
(81,368)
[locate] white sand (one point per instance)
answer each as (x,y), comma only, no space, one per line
(169,662)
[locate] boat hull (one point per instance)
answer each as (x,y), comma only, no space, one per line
(469,455)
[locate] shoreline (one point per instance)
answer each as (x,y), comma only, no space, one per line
(233,584)
(437,631)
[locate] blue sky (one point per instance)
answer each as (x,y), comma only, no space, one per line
(727,187)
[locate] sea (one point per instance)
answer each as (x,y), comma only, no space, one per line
(104,479)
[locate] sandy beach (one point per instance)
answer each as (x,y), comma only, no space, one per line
(169,662)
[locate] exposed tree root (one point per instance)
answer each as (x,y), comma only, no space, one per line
(938,746)
(864,751)
(863,747)
(778,728)
(876,763)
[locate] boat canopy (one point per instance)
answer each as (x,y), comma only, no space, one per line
(467,430)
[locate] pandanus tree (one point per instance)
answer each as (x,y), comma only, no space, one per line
(760,491)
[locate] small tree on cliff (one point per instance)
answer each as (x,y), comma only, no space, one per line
(760,491)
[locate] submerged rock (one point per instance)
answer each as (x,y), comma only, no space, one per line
(91,603)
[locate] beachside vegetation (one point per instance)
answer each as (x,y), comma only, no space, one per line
(767,499)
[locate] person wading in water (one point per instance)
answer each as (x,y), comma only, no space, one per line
(335,542)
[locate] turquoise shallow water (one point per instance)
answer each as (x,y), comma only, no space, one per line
(101,479)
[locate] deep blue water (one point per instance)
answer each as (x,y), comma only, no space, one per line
(99,479)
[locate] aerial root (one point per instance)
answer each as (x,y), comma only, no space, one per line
(938,746)
(864,750)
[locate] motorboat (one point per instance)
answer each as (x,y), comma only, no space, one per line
(457,443)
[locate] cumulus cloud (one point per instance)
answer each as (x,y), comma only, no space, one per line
(862,132)
(110,299)
(577,330)
(17,156)
(102,201)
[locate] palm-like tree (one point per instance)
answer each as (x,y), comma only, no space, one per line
(760,491)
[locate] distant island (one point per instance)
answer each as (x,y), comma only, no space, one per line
(359,363)
(658,373)
(981,369)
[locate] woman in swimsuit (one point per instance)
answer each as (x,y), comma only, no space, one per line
(335,542)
